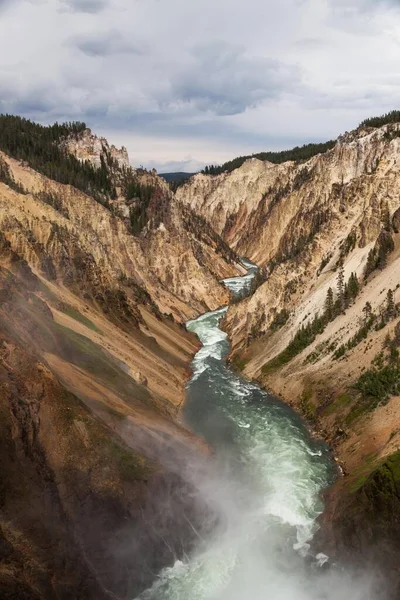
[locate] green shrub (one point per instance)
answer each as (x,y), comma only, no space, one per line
(303,338)
(379,383)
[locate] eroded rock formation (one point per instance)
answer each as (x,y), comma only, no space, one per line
(330,223)
(93,365)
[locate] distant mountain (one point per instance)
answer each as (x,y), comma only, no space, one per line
(179,176)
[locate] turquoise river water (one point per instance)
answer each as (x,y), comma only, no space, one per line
(265,483)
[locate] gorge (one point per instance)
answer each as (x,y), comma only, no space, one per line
(264,485)
(112,485)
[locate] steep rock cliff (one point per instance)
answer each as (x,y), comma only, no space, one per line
(93,365)
(58,228)
(297,220)
(323,330)
(82,514)
(87,146)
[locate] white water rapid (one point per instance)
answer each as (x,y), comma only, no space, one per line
(265,484)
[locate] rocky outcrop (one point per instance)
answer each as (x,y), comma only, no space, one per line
(260,206)
(88,147)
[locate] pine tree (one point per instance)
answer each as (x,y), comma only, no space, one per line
(346,296)
(390,305)
(340,286)
(367,310)
(41,147)
(371,263)
(329,305)
(353,286)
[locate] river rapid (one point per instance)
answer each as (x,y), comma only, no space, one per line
(265,484)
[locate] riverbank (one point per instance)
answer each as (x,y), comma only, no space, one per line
(262,487)
(359,526)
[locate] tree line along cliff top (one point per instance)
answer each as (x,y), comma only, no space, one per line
(40,147)
(43,149)
(299,153)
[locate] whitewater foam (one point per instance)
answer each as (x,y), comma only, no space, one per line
(264,484)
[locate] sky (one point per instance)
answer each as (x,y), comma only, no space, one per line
(185,83)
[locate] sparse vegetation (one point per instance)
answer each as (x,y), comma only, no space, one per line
(40,147)
(378,383)
(391,134)
(340,402)
(307,406)
(72,312)
(203,231)
(305,336)
(291,246)
(131,466)
(377,256)
(54,200)
(7,178)
(237,362)
(138,195)
(302,338)
(388,312)
(140,294)
(301,177)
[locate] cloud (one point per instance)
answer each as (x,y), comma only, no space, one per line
(366,5)
(43,100)
(104,44)
(311,43)
(362,17)
(86,6)
(224,79)
(5,3)
(176,83)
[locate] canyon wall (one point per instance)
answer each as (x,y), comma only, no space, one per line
(94,359)
(322,328)
(96,281)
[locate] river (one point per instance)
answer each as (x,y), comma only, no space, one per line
(265,484)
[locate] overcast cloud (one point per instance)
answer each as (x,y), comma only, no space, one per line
(185,83)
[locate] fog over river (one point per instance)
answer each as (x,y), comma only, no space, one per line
(265,484)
